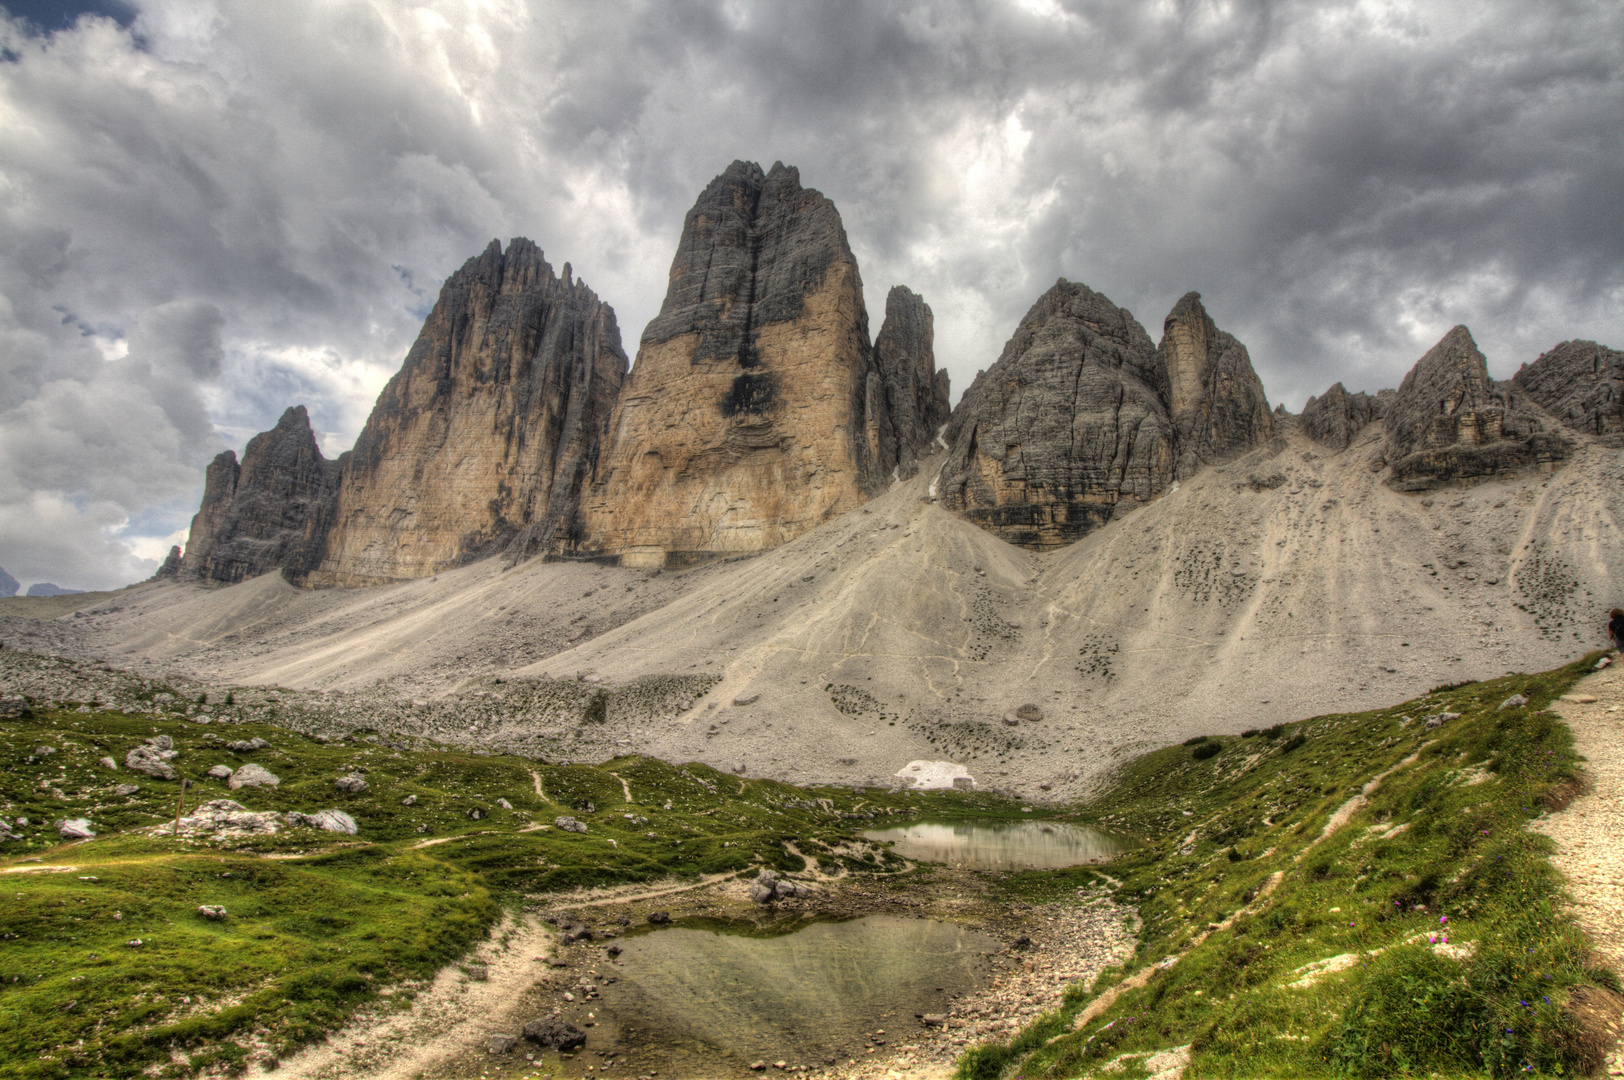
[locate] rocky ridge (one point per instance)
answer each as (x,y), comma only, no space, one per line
(1582,385)
(268,513)
(1336,416)
(1082,418)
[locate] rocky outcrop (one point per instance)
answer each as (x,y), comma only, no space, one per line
(1580,383)
(172,566)
(8,584)
(756,409)
(484,439)
(1449,421)
(269,513)
(1215,398)
(1082,417)
(1336,416)
(916,393)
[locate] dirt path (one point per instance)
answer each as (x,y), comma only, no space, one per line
(449,1020)
(1588,833)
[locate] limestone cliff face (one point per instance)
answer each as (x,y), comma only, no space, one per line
(1450,421)
(1215,398)
(482,441)
(269,513)
(756,408)
(916,393)
(1336,416)
(1082,416)
(1582,385)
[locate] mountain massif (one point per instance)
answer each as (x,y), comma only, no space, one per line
(759,408)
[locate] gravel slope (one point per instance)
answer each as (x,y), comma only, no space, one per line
(1286,584)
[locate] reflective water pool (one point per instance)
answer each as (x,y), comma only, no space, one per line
(707,998)
(994,844)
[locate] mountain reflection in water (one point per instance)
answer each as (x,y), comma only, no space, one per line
(999,845)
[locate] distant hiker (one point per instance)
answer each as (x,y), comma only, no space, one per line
(1615,629)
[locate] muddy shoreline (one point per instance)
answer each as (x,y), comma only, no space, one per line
(530,972)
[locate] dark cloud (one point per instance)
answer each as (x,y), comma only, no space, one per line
(218,209)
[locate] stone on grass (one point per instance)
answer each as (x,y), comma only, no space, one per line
(353,784)
(161,743)
(659,918)
(1438,720)
(1603,662)
(504,804)
(126,789)
(219,772)
(75,829)
(253,775)
(410,800)
(212,912)
(569,824)
(108,763)
(243,746)
(144,759)
(330,820)
(554,1034)
(1515,701)
(501,1044)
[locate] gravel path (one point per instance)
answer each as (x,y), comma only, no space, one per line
(1589,834)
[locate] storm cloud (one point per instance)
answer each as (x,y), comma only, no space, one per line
(212,210)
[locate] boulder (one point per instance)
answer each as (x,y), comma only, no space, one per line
(569,824)
(353,784)
(329,820)
(228,817)
(504,804)
(14,708)
(219,772)
(501,1044)
(253,775)
(1438,720)
(75,829)
(108,763)
(410,800)
(244,746)
(123,790)
(212,912)
(144,759)
(659,918)
(552,1033)
(1515,701)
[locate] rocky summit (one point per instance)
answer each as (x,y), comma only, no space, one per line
(1082,417)
(1336,416)
(270,512)
(1450,421)
(757,407)
(1582,385)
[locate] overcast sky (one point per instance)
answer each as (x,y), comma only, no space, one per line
(213,209)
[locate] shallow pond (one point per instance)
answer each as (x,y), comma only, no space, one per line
(999,844)
(706,998)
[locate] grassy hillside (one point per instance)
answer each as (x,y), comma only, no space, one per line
(108,969)
(1354,895)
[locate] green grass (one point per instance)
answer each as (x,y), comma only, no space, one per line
(320,923)
(1441,847)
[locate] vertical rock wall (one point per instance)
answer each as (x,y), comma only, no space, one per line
(756,408)
(1582,385)
(1336,416)
(269,513)
(484,439)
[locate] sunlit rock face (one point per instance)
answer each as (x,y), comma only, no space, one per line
(269,513)
(1082,417)
(1449,421)
(757,407)
(484,440)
